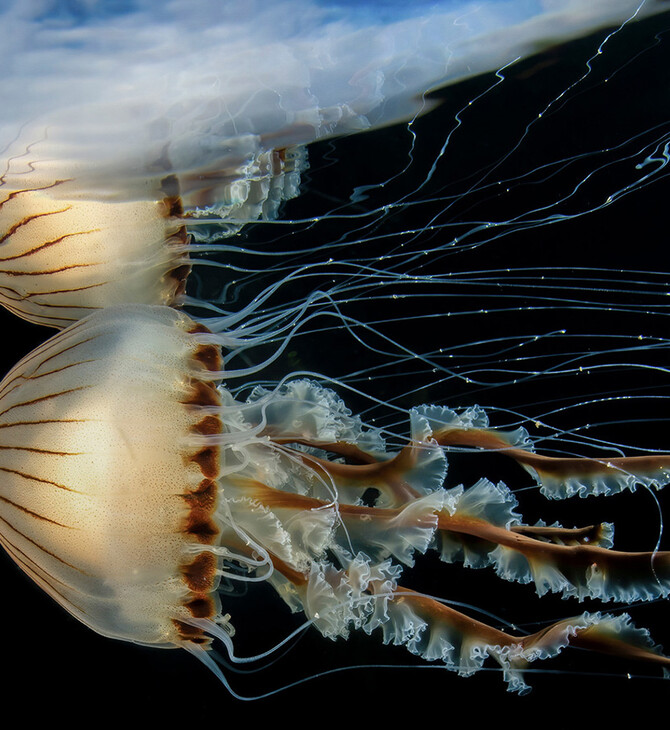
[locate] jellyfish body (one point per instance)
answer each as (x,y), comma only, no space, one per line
(67,252)
(132,485)
(111,571)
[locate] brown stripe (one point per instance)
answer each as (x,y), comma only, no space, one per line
(45,421)
(19,375)
(36,515)
(48,244)
(47,272)
(35,375)
(61,350)
(19,298)
(16,193)
(27,220)
(33,478)
(47,292)
(41,451)
(43,398)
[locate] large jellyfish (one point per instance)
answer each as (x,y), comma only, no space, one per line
(443,260)
(138,496)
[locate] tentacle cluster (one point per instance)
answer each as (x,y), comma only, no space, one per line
(339,514)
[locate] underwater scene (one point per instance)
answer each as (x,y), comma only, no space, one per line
(408,297)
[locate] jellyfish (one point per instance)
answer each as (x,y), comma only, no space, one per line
(408,312)
(107,181)
(133,488)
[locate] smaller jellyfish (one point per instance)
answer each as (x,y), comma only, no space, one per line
(136,488)
(110,157)
(67,251)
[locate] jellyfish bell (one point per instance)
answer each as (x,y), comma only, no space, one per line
(78,236)
(133,485)
(100,569)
